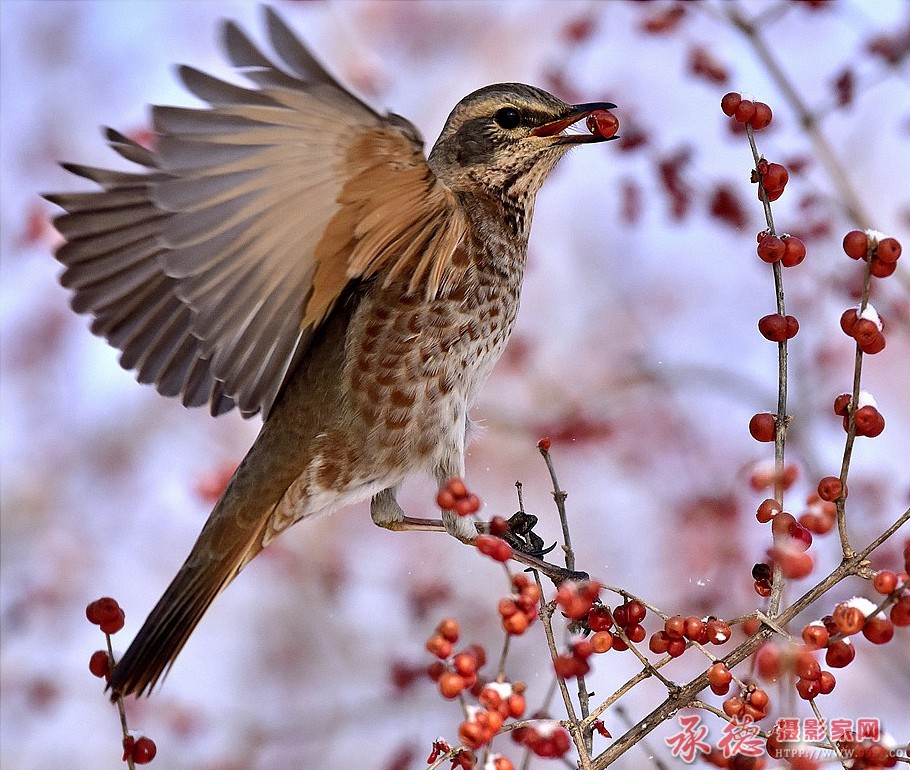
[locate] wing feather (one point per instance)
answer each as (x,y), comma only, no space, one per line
(212,268)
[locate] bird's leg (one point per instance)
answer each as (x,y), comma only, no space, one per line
(387,513)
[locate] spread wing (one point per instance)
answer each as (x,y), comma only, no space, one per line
(212,267)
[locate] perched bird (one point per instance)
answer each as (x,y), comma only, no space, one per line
(290,251)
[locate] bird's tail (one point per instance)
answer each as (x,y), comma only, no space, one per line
(226,544)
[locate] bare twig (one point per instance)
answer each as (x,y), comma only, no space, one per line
(686,693)
(559,496)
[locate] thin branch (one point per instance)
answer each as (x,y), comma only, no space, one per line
(686,693)
(852,204)
(559,496)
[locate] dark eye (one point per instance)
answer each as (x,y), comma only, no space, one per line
(507,118)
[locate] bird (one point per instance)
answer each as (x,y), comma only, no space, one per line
(288,251)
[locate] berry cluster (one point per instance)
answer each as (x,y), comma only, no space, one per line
(576,597)
(773,178)
(774,660)
(498,701)
(792,540)
(673,639)
(454,496)
(866,755)
(867,420)
(457,673)
(790,549)
(865,327)
(765,474)
(520,609)
(107,614)
(545,739)
(453,673)
(141,750)
(756,114)
(778,328)
(789,250)
(751,702)
(881,251)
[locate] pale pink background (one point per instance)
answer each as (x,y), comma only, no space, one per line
(636,348)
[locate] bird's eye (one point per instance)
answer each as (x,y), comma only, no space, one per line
(507,118)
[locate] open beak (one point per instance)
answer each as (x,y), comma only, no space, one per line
(577,112)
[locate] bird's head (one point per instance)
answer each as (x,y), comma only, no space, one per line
(503,140)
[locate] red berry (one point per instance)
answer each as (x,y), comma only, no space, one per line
(675,626)
(730,102)
(544,444)
(900,612)
(885,581)
(842,404)
(807,688)
(771,248)
(636,633)
(855,244)
(744,111)
(773,327)
(468,505)
(694,628)
(733,706)
(451,684)
(144,750)
(602,641)
(763,426)
(494,547)
(840,654)
(775,177)
(676,647)
(718,631)
(795,251)
(778,328)
(762,116)
(719,674)
(100,664)
(659,643)
(769,661)
(602,123)
(104,610)
(465,664)
(457,487)
(881,269)
(868,421)
(636,611)
(768,509)
(849,619)
(759,699)
(830,488)
(599,618)
(449,629)
(878,629)
(826,682)
(438,646)
(888,250)
(815,636)
(848,321)
(865,331)
(806,666)
(794,564)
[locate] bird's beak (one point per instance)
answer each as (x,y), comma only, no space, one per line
(577,112)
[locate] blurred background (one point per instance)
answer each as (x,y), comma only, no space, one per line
(636,351)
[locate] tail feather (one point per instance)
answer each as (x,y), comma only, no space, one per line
(221,551)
